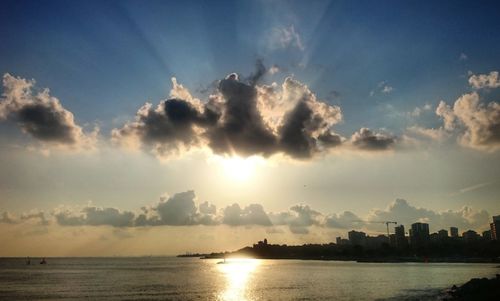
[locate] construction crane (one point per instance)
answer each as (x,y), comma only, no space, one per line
(380,222)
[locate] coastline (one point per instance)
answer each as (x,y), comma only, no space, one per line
(475,289)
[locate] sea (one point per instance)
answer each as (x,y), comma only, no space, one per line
(171,278)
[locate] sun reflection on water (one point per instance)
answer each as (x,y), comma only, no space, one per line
(237,273)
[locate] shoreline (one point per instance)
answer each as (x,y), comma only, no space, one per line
(358,259)
(484,289)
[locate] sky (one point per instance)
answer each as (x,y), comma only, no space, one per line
(160,127)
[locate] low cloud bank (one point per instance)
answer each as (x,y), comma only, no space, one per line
(182,209)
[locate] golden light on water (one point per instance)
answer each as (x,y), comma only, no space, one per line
(237,272)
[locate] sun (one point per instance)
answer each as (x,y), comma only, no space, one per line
(240,169)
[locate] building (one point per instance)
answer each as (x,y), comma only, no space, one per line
(357,238)
(400,238)
(470,236)
(495,228)
(454,232)
(442,234)
(375,242)
(419,235)
(487,235)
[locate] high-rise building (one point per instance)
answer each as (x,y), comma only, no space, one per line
(419,234)
(399,232)
(442,234)
(487,235)
(495,228)
(357,238)
(454,232)
(470,236)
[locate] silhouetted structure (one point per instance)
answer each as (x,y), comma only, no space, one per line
(495,227)
(487,235)
(442,234)
(470,236)
(357,238)
(454,232)
(419,234)
(401,241)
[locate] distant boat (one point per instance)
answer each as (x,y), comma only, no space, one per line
(43,261)
(222,262)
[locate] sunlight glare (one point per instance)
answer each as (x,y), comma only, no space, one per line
(240,169)
(237,272)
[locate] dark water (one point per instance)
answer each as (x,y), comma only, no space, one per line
(165,278)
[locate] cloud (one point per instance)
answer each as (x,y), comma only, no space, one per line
(462,57)
(438,134)
(345,220)
(475,187)
(477,124)
(94,216)
(41,115)
(404,213)
(382,87)
(241,118)
(306,129)
(181,209)
(253,214)
(8,218)
(178,210)
(299,218)
(366,139)
(274,69)
(284,37)
(482,81)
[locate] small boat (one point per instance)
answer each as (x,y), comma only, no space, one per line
(222,262)
(43,261)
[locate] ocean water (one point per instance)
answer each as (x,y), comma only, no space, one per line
(166,278)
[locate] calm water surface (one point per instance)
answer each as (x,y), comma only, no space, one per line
(166,278)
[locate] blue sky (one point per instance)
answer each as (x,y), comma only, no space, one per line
(104,58)
(384,65)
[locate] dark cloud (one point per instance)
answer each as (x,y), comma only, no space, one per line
(367,140)
(296,134)
(260,70)
(241,129)
(240,119)
(40,115)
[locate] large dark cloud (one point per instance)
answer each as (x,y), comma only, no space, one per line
(241,129)
(40,115)
(366,139)
(241,118)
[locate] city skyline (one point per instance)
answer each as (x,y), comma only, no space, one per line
(129,129)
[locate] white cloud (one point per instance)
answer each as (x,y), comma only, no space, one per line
(284,37)
(477,124)
(481,81)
